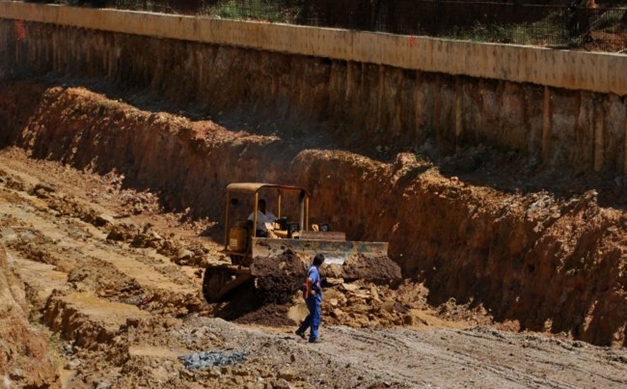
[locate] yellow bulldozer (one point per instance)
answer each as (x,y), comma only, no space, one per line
(274,263)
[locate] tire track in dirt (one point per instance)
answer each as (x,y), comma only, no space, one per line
(76,241)
(472,357)
(583,361)
(98,285)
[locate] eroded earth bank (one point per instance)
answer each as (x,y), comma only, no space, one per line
(111,204)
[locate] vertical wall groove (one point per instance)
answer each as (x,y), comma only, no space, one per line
(598,136)
(418,112)
(459,94)
(625,141)
(546,125)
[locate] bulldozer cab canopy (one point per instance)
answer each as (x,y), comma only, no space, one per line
(293,198)
(254,187)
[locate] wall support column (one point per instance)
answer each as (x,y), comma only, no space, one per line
(625,141)
(598,135)
(459,95)
(418,111)
(380,90)
(546,124)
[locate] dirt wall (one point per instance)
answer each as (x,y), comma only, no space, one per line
(29,364)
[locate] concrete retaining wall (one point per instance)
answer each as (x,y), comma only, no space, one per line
(596,72)
(558,107)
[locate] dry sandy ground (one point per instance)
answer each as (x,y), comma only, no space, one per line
(100,289)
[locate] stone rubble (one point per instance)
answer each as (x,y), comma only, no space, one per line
(213,358)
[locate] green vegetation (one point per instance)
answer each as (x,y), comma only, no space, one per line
(562,27)
(546,32)
(610,21)
(262,10)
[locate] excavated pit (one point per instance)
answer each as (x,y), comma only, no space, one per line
(469,242)
(111,203)
(548,258)
(121,285)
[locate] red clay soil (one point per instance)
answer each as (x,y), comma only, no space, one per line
(28,361)
(116,211)
(549,259)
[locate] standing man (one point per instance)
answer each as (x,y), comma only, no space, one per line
(313,298)
(263,217)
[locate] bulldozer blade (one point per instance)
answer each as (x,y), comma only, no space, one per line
(349,260)
(335,252)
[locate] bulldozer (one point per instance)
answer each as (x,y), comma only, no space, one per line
(274,263)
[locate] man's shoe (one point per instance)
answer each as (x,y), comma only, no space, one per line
(301,334)
(315,340)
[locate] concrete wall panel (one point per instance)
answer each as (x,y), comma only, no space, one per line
(559,108)
(598,72)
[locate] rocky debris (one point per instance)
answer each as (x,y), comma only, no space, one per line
(135,203)
(180,252)
(103,220)
(365,305)
(213,358)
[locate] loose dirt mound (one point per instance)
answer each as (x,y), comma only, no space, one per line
(380,270)
(278,278)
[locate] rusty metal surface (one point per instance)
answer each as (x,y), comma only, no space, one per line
(345,260)
(322,235)
(335,251)
(252,187)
